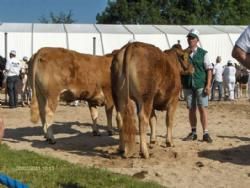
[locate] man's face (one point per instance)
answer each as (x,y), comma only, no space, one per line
(192,41)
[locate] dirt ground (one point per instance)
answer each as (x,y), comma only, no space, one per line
(224,163)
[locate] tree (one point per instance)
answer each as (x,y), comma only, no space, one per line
(60,18)
(130,12)
(176,12)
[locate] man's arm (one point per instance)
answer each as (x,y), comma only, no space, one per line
(241,56)
(209,80)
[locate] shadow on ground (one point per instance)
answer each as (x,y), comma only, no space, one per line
(238,155)
(77,142)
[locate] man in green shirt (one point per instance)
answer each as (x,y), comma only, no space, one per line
(197,86)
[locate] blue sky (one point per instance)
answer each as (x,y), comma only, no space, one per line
(29,11)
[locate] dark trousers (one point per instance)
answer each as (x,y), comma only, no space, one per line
(215,85)
(12,82)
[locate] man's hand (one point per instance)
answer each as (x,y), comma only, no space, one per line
(207,90)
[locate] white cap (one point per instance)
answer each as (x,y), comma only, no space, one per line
(193,33)
(229,62)
(13,52)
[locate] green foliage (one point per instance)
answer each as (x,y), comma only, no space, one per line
(130,12)
(221,12)
(40,171)
(62,17)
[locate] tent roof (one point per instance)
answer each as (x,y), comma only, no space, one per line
(111,29)
(119,29)
(80,28)
(229,28)
(49,28)
(143,29)
(204,29)
(172,29)
(16,27)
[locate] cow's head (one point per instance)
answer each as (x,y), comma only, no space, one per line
(183,58)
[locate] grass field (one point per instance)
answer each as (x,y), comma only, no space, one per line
(45,172)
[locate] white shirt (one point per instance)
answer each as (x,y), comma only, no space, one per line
(229,74)
(244,40)
(207,63)
(13,67)
(218,71)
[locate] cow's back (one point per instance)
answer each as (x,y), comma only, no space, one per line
(60,69)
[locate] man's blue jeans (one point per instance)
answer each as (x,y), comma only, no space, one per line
(220,87)
(12,82)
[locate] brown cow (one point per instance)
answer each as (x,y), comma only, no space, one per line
(54,70)
(151,78)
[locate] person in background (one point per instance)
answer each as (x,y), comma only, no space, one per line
(218,80)
(229,75)
(12,68)
(24,78)
(197,87)
(241,50)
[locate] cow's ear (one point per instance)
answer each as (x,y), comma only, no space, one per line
(178,46)
(188,50)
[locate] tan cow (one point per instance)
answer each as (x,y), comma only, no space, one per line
(54,70)
(151,78)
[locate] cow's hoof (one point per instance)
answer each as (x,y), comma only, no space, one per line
(51,141)
(152,141)
(110,133)
(120,151)
(169,144)
(96,133)
(144,155)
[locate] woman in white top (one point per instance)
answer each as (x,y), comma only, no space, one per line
(229,75)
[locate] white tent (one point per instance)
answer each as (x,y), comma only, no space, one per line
(81,37)
(148,34)
(113,37)
(174,33)
(27,38)
(48,35)
(16,37)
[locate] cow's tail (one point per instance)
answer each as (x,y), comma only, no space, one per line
(128,128)
(34,108)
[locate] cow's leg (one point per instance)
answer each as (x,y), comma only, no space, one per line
(50,109)
(41,103)
(47,107)
(169,121)
(94,116)
(144,115)
(119,125)
(152,123)
(109,111)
